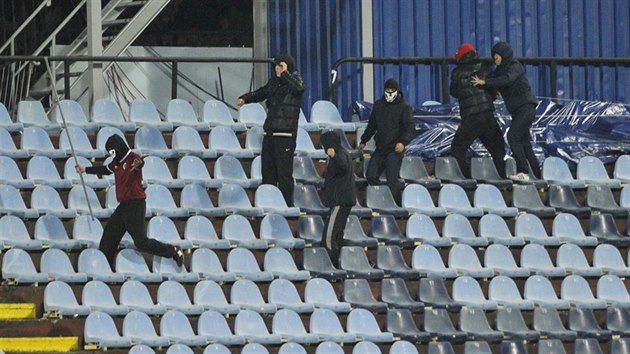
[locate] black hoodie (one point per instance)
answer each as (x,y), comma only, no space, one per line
(510,79)
(339,182)
(116,143)
(472,99)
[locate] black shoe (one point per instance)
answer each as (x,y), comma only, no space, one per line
(178,256)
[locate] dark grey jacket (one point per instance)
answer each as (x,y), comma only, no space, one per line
(472,99)
(339,182)
(391,123)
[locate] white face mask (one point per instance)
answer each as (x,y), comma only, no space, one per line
(391,96)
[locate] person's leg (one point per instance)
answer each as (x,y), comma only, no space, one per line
(392,172)
(492,139)
(112,234)
(519,132)
(284,151)
(464,136)
(530,113)
(375,168)
(268,162)
(333,231)
(136,226)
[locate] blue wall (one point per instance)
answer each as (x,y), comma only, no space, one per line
(320,32)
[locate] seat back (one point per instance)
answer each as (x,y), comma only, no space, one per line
(446,168)
(526,196)
(611,287)
(438,321)
(252,114)
(143,112)
(163,229)
(42,168)
(463,257)
(547,319)
(604,226)
(440,348)
(587,346)
(538,287)
(245,291)
(535,256)
(50,228)
(503,288)
(100,325)
(556,169)
(59,294)
(575,287)
(467,288)
(233,195)
(291,348)
(310,227)
(135,293)
(223,138)
(187,138)
(304,169)
(279,260)
(483,168)
(492,225)
(181,112)
(55,261)
(432,290)
(248,322)
(499,256)
(9,170)
(457,225)
(357,291)
(571,256)
(208,292)
(217,113)
(319,290)
(622,168)
(254,348)
(229,168)
(93,260)
(195,196)
(137,324)
(175,324)
(529,225)
(131,261)
(394,290)
(421,226)
(213,324)
(287,321)
(379,197)
(104,133)
(608,256)
(199,228)
(412,168)
(508,347)
(583,319)
(36,139)
(324,321)
(473,320)
(390,257)
(591,168)
(366,347)
(325,112)
(46,198)
(80,140)
(97,293)
(10,198)
(159,197)
(192,167)
(354,258)
(282,291)
(562,197)
(236,227)
(453,196)
(416,196)
(171,293)
(600,196)
(149,138)
(385,226)
(567,225)
(510,320)
(105,110)
(13,228)
(32,112)
(254,138)
(306,196)
(426,257)
(488,196)
(268,195)
(242,260)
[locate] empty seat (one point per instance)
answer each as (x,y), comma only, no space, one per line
(354,261)
(246,295)
(280,263)
(32,113)
(381,200)
(535,258)
(237,229)
(457,228)
(326,325)
(132,264)
(284,295)
(527,199)
(567,227)
(160,202)
(563,199)
(304,146)
(186,141)
(362,323)
(179,349)
(252,114)
(587,346)
(234,199)
(400,322)
(250,325)
(192,169)
(604,228)
(317,261)
(291,348)
(421,228)
(304,171)
(320,293)
(168,268)
(242,262)
(156,171)
(432,291)
(205,262)
(287,323)
(223,140)
(474,322)
(463,258)
(467,291)
(412,170)
(438,323)
(539,290)
(254,139)
(13,233)
(583,321)
(510,321)
(136,297)
(196,199)
(310,228)
(390,259)
(477,347)
(176,327)
(275,228)
(59,301)
(148,140)
(556,171)
(138,327)
(46,200)
(547,321)
(11,203)
(618,321)
(440,348)
(180,112)
(213,325)
(353,234)
(489,198)
(8,148)
(143,112)
(6,122)
(601,198)
(576,290)
(56,264)
(447,170)
(50,230)
(622,168)
(217,113)
(42,170)
(107,113)
(326,115)
(385,229)
(306,125)
(94,263)
(307,199)
(494,228)
(454,199)
(426,259)
(530,227)
(591,170)
(504,291)
(227,169)
(358,293)
(77,201)
(416,199)
(620,346)
(499,258)
(572,258)
(483,170)
(101,330)
(607,258)
(10,174)
(164,230)
(200,231)
(394,292)
(173,295)
(210,295)
(513,347)
(80,145)
(612,289)
(98,296)
(624,198)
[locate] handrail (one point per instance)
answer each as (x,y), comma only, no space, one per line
(23,25)
(59,28)
(553,63)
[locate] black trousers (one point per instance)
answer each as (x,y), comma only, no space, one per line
(388,161)
(520,139)
(276,159)
(332,239)
(485,127)
(129,217)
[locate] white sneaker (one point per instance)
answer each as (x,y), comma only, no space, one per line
(519,177)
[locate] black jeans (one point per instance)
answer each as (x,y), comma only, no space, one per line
(485,127)
(388,161)
(276,160)
(519,137)
(129,216)
(332,239)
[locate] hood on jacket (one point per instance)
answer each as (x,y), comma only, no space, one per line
(330,139)
(288,60)
(504,50)
(116,143)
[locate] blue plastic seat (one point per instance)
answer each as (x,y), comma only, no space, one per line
(78,202)
(576,290)
(36,141)
(223,140)
(291,348)
(284,295)
(412,170)
(304,171)
(156,171)
(176,327)
(287,323)
(385,229)
(483,170)
(391,260)
(228,169)
(270,199)
(210,295)
(13,233)
(401,323)
(160,202)
(584,322)
(50,230)
(238,230)
(326,115)
(59,301)
(80,143)
(217,113)
(163,229)
(42,170)
(320,293)
(395,293)
(173,295)
(366,347)
(361,211)
(254,139)
(205,262)
(180,112)
(447,170)
(11,203)
(604,228)
(527,199)
(256,169)
(196,199)
(250,325)
(381,200)
(432,291)
(438,323)
(143,112)
(572,258)
(46,200)
(136,297)
(622,168)
(612,289)
(535,258)
(234,199)
(138,326)
(98,296)
(421,228)
(624,197)
(149,140)
(357,292)
(304,146)
(556,171)
(620,346)
(192,169)
(90,180)
(454,199)
(307,199)
(6,122)
(530,228)
(474,322)
(494,228)
(539,289)
(416,199)
(601,198)
(503,291)
(101,330)
(354,261)
(186,141)
(500,259)
(212,325)
(132,264)
(317,262)
(488,197)
(254,348)
(467,291)
(8,148)
(477,347)
(94,263)
(32,113)
(510,321)
(10,174)
(608,258)
(547,321)
(353,234)
(457,228)
(246,295)
(326,325)
(513,347)
(591,170)
(107,113)
(618,321)
(169,269)
(426,259)
(242,262)
(563,200)
(567,227)
(310,228)
(200,231)
(252,114)
(305,124)
(280,263)
(56,264)
(179,349)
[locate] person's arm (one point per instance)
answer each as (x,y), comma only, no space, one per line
(255,96)
(504,78)
(453,87)
(295,83)
(408,126)
(337,161)
(370,130)
(93,170)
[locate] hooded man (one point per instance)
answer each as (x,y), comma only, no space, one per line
(283,95)
(129,215)
(510,80)
(392,126)
(340,193)
(476,109)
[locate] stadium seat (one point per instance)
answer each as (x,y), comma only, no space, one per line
(556,171)
(13,233)
(164,230)
(242,262)
(275,228)
(179,349)
(195,198)
(489,198)
(401,323)
(81,145)
(11,203)
(280,263)
(10,174)
(173,295)
(620,346)
(385,229)
(284,295)
(160,202)
(320,293)
(464,260)
(357,293)
(304,146)
(447,170)
(148,140)
(50,230)
(494,228)
(513,347)
(6,122)
(381,200)
(169,269)
(363,324)
(101,330)
(107,113)
(361,211)
(354,261)
(254,348)
(612,289)
(618,321)
(77,201)
(213,325)
(572,258)
(136,297)
(291,348)
(310,228)
(8,148)
(132,264)
(42,170)
(432,292)
(547,321)
(326,325)
(306,125)
(510,321)
(591,170)
(209,294)
(499,258)
(254,139)
(421,228)
(317,261)
(176,327)
(474,322)
(180,112)
(583,321)
(155,171)
(467,291)
(255,170)
(46,200)
(36,141)
(32,114)
(438,323)
(246,295)
(426,259)
(587,346)
(601,198)
(568,229)
(535,258)
(56,264)
(205,262)
(306,198)
(59,301)
(416,199)
(143,112)
(530,228)
(186,141)
(608,258)
(477,347)
(223,140)
(394,292)
(252,114)
(250,325)
(227,169)
(483,170)
(577,291)
(353,234)
(604,228)
(622,168)
(234,199)
(412,170)
(539,289)
(304,171)
(527,199)
(94,263)
(237,229)
(456,227)
(390,259)
(138,327)
(563,200)
(217,113)
(326,115)
(624,197)
(440,348)
(98,296)
(192,169)
(503,291)
(287,323)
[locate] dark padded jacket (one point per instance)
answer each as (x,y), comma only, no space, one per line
(510,79)
(391,122)
(284,96)
(472,99)
(339,182)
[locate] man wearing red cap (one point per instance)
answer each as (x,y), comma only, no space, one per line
(476,109)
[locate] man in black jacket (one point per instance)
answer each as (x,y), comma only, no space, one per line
(510,79)
(340,193)
(476,109)
(283,93)
(392,124)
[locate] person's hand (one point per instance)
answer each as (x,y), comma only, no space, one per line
(330,152)
(361,147)
(284,66)
(136,163)
(240,102)
(476,81)
(399,148)
(79,168)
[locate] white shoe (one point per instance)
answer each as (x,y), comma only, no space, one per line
(519,177)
